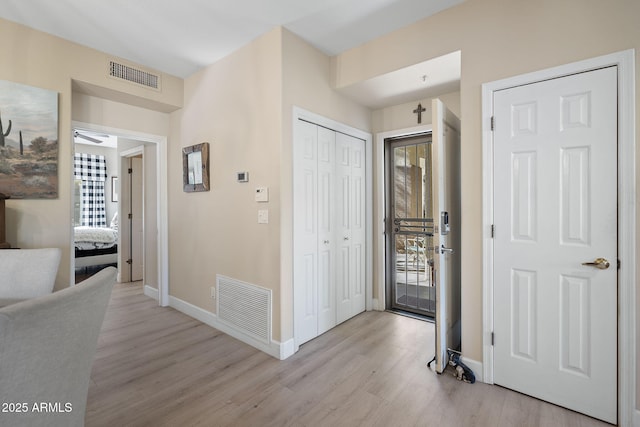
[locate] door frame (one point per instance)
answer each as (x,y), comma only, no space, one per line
(625,62)
(160,143)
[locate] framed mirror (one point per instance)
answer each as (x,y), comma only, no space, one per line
(195,168)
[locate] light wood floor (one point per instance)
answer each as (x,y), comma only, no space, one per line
(157,367)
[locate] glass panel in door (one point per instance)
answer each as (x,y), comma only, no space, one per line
(410,281)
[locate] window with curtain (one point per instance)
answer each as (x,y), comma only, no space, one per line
(91,170)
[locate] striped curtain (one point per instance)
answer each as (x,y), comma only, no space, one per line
(91,169)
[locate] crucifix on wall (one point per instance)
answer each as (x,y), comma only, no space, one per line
(419,112)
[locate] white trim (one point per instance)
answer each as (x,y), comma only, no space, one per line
(276,349)
(625,61)
(287,348)
(132,152)
(636,418)
(380,206)
(475,366)
(300,113)
(162,215)
(150,292)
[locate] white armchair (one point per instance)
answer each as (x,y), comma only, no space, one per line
(47,345)
(27,273)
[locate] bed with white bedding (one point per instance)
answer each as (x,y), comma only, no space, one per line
(95,246)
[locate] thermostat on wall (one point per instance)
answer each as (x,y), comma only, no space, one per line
(243,176)
(262,194)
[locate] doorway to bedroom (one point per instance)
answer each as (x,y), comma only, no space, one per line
(108,205)
(95,202)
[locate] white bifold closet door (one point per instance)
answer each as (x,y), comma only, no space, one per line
(329,229)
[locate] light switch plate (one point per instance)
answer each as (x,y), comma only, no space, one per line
(263,216)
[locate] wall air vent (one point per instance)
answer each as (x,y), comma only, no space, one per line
(245,307)
(134,75)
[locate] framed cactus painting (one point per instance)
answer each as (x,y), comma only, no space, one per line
(28,141)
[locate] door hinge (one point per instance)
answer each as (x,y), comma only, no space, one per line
(130,261)
(493,231)
(130,170)
(492,123)
(492,338)
(618,264)
(129,216)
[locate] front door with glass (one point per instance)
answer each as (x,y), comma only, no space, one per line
(410,244)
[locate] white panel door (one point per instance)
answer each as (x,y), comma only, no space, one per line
(305,196)
(555,148)
(358,233)
(446,211)
(137,221)
(326,230)
(350,231)
(329,229)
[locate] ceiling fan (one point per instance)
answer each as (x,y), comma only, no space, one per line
(77,134)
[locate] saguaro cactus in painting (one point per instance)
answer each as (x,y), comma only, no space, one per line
(4,134)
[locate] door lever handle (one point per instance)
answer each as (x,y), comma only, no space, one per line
(445,250)
(599,263)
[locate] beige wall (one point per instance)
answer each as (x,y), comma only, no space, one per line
(402,116)
(234,105)
(243,106)
(41,60)
(108,113)
(498,39)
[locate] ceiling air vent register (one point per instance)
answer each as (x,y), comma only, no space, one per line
(134,75)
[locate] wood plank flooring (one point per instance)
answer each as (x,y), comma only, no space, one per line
(157,367)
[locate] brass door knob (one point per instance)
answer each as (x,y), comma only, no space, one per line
(600,263)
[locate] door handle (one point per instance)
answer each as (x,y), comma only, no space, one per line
(445,250)
(599,263)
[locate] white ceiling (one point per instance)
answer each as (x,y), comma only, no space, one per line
(179,37)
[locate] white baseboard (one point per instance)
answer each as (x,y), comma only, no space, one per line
(374,304)
(287,349)
(475,366)
(193,311)
(150,292)
(276,349)
(636,418)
